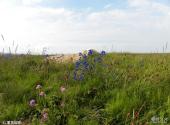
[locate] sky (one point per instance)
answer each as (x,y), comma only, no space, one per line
(71,26)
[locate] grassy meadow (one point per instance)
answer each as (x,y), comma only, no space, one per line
(99,89)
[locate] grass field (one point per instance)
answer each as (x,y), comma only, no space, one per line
(111,89)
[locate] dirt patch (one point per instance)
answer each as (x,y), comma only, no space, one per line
(64,58)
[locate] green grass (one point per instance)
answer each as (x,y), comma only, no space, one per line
(124,89)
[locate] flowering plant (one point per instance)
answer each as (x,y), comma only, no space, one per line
(87,64)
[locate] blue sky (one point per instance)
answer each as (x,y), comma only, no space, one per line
(67,26)
(84,4)
(93,4)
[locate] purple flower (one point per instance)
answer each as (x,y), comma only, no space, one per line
(77,64)
(75,75)
(81,77)
(85,63)
(45,116)
(103,53)
(32,103)
(78,77)
(90,52)
(80,54)
(84,56)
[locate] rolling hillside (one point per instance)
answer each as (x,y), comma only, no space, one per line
(98,89)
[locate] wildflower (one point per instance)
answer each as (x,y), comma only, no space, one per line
(80,58)
(86,66)
(74,73)
(32,103)
(75,78)
(44,116)
(90,52)
(62,89)
(42,94)
(103,53)
(81,77)
(85,63)
(38,86)
(84,56)
(80,54)
(77,65)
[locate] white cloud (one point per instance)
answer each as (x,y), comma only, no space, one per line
(31,2)
(139,3)
(141,27)
(164,9)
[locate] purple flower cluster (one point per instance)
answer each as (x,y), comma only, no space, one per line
(103,53)
(41,93)
(32,103)
(44,116)
(90,52)
(84,64)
